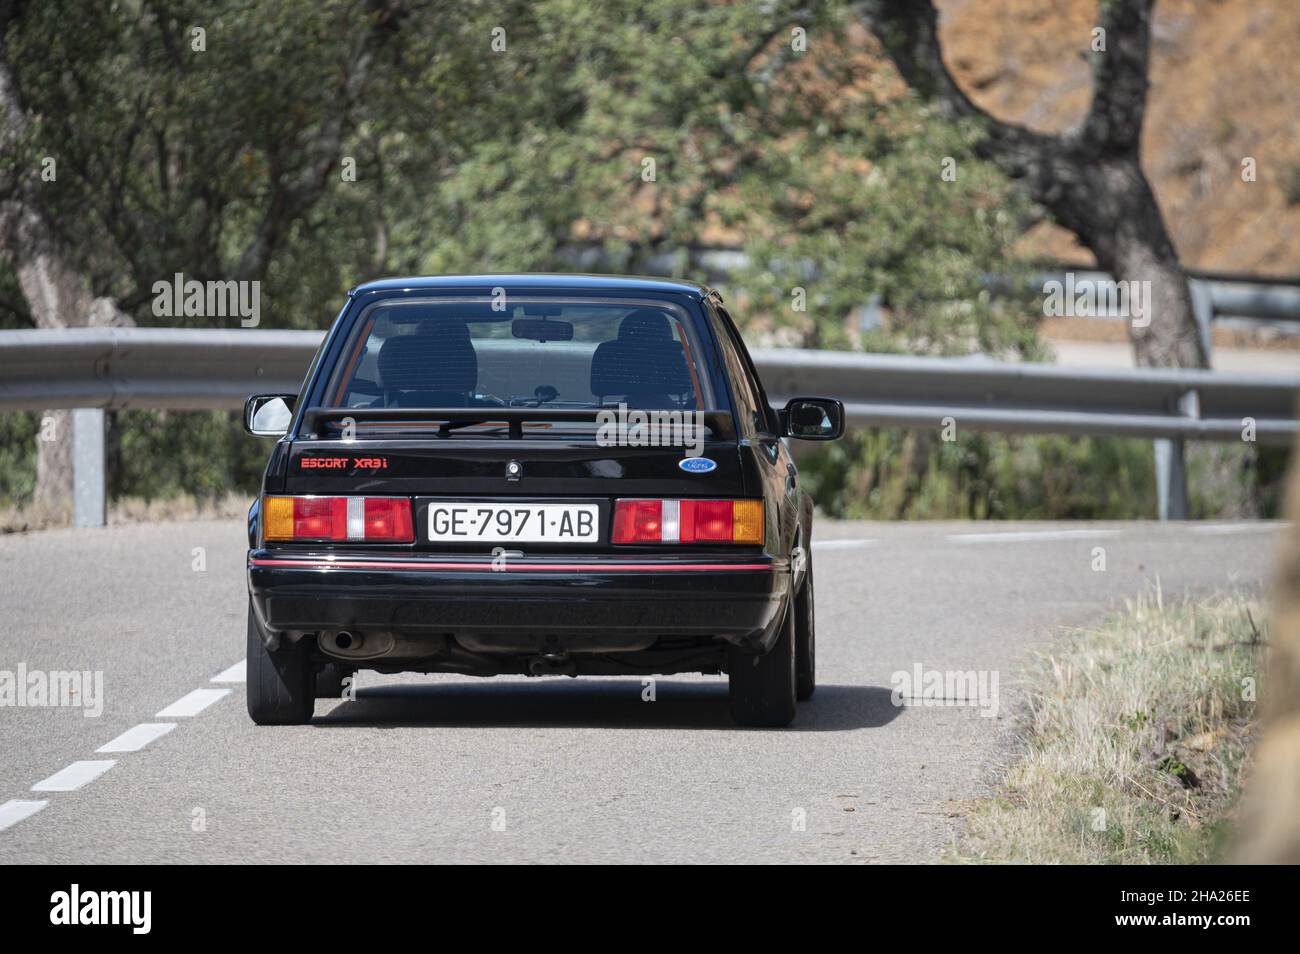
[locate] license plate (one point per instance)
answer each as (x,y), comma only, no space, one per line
(451,522)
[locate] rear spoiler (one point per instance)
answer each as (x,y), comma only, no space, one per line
(719,423)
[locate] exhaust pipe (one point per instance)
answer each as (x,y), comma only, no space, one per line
(345,641)
(348,644)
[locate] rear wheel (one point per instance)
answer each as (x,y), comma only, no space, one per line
(762,688)
(280,684)
(805,645)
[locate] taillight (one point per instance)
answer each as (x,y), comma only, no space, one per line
(688,521)
(638,521)
(369,519)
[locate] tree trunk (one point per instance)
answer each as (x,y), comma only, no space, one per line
(1116,215)
(58,294)
(1089,178)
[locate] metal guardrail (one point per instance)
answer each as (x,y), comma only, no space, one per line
(981,394)
(191,369)
(167,368)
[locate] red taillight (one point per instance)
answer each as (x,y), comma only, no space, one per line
(706,521)
(320,518)
(688,521)
(638,521)
(363,519)
(388,518)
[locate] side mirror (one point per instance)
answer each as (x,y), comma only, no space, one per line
(268,415)
(812,419)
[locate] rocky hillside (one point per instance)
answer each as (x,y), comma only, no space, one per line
(1225,85)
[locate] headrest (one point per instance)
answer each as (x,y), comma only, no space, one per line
(645,323)
(639,367)
(441,360)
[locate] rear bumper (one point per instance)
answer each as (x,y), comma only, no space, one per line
(592,605)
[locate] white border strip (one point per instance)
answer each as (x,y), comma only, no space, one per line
(137,737)
(16,809)
(192,703)
(74,776)
(1029,536)
(236,673)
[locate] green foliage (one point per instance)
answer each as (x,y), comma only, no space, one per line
(230,162)
(18,432)
(160,454)
(895,475)
(1096,782)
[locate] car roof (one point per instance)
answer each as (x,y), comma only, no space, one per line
(542,281)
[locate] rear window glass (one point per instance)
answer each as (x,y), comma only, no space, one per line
(522,353)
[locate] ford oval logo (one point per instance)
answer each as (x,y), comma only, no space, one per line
(697,465)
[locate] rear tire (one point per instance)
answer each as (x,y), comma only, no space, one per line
(805,643)
(762,688)
(280,684)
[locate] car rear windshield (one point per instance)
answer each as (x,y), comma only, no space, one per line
(527,353)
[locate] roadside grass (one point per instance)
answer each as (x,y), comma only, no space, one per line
(30,516)
(1138,735)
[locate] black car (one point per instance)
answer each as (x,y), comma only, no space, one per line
(539,474)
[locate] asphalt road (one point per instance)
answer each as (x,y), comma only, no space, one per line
(447,768)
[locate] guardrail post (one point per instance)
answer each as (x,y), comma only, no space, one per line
(1203,311)
(88,493)
(1171,470)
(1171,479)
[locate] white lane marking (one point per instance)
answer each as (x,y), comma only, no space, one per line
(236,673)
(1234,527)
(16,809)
(1024,536)
(74,776)
(137,737)
(192,703)
(842,544)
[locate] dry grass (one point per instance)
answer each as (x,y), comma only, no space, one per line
(1137,738)
(128,510)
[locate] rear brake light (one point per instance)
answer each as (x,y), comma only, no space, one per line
(368,519)
(688,521)
(638,521)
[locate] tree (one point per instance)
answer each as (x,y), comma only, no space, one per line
(163,178)
(1089,178)
(58,294)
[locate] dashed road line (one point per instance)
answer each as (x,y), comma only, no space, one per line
(236,673)
(16,809)
(81,773)
(843,544)
(137,737)
(1218,528)
(1029,536)
(192,703)
(74,776)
